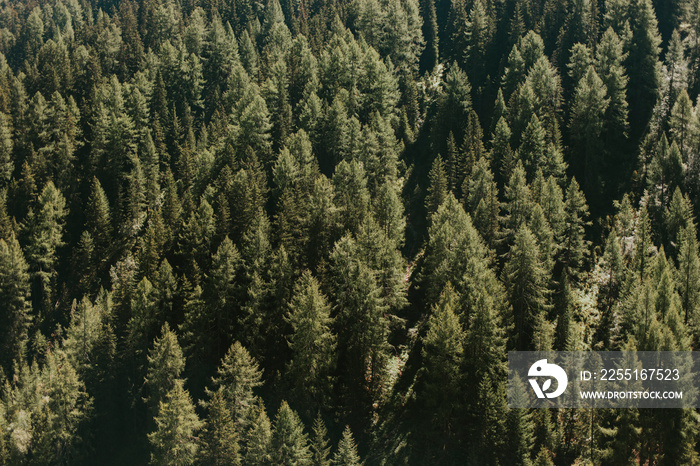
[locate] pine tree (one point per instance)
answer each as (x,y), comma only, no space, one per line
(454,107)
(678,215)
(574,246)
(219,439)
(312,343)
(501,152)
(482,201)
(675,73)
(258,439)
(165,292)
(485,343)
(544,458)
(142,326)
(289,443)
(381,255)
(207,327)
(564,306)
(238,376)
(390,215)
(610,69)
(319,445)
(586,125)
(681,124)
(665,287)
(90,343)
(518,204)
(431,54)
(451,162)
(14,294)
(173,441)
(346,455)
(666,170)
(351,195)
(66,409)
(610,292)
(479,36)
(543,84)
(579,62)
(165,364)
(472,149)
(688,273)
(533,146)
(443,352)
(525,282)
(643,244)
(456,253)
(492,411)
(7,165)
(519,428)
(6,227)
(642,64)
(44,229)
(98,218)
(361,314)
(438,187)
(514,73)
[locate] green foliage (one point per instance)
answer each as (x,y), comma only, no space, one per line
(6,145)
(361,313)
(289,444)
(642,63)
(312,343)
(44,227)
(586,126)
(688,273)
(574,246)
(482,201)
(258,439)
(346,455)
(443,352)
(98,218)
(237,377)
(14,294)
(210,316)
(319,445)
(177,423)
(165,364)
(219,437)
(525,282)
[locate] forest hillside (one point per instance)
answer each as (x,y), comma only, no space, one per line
(307,232)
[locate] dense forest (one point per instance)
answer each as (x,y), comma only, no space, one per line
(307,232)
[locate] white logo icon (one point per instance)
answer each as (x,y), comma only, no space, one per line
(542,369)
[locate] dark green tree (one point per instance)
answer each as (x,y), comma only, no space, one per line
(346,455)
(258,438)
(44,228)
(319,445)
(688,273)
(312,343)
(237,377)
(443,352)
(219,439)
(173,441)
(165,364)
(586,125)
(574,246)
(289,444)
(642,63)
(526,284)
(14,294)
